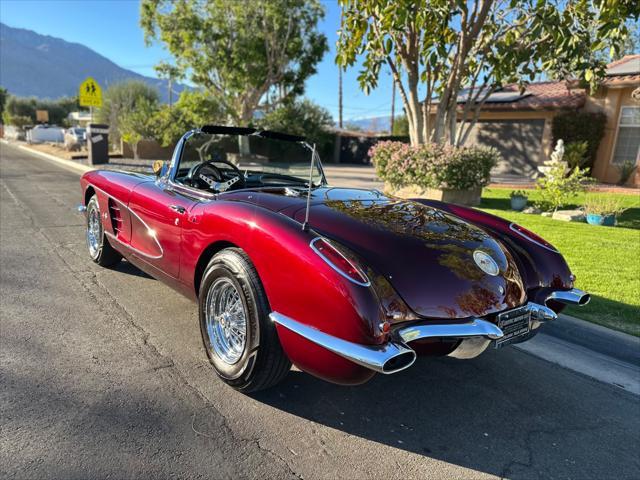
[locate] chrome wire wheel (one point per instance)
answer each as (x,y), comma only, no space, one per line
(226,321)
(94,231)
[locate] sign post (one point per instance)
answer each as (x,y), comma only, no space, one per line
(90,95)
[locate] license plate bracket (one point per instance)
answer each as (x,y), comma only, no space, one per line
(515,324)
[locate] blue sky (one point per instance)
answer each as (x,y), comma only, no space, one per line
(110,27)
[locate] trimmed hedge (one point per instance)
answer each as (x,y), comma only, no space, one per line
(573,126)
(433,165)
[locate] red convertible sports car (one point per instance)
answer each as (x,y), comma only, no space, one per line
(341,282)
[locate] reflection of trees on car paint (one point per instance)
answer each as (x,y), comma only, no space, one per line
(453,238)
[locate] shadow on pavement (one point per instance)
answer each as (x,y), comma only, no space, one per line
(125,267)
(505,413)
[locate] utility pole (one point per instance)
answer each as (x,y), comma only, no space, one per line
(340,97)
(340,81)
(393,105)
(171,73)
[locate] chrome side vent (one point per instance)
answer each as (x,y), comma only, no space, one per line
(116,217)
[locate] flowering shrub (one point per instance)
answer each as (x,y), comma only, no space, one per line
(433,165)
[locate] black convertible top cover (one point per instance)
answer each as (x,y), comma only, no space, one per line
(224,130)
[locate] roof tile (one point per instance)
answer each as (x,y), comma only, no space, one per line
(543,96)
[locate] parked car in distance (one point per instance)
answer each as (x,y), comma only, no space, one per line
(75,138)
(45,133)
(342,282)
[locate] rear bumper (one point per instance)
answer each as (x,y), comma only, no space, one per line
(396,355)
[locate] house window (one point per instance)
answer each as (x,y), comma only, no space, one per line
(628,141)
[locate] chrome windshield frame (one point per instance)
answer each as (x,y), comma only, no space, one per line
(177,156)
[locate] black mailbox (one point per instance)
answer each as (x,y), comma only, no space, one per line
(98,143)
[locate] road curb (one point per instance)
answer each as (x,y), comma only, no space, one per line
(68,164)
(584,361)
(615,344)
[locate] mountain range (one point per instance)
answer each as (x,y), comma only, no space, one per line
(370,124)
(34,65)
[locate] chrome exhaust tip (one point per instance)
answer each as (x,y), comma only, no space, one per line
(399,362)
(570,297)
(388,358)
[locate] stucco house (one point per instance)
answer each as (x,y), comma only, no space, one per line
(519,124)
(619,98)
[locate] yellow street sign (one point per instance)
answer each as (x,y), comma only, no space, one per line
(90,94)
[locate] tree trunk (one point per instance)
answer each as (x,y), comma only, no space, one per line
(393,107)
(410,101)
(415,106)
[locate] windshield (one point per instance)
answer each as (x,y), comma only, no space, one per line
(261,161)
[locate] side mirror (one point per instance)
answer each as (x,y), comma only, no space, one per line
(158,167)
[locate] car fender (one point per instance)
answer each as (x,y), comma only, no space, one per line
(298,283)
(542,269)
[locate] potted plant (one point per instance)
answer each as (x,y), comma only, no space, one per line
(518,200)
(601,210)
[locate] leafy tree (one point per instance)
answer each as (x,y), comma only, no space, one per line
(136,124)
(400,126)
(3,99)
(237,51)
(304,118)
(20,111)
(19,121)
(628,45)
(192,110)
(462,51)
(120,99)
(300,117)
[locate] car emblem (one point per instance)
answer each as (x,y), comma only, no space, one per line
(487,264)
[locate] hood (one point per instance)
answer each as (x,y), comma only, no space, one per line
(425,253)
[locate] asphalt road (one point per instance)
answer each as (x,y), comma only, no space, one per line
(102,375)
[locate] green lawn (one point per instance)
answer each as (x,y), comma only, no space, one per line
(605,260)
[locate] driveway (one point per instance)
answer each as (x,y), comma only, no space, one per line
(102,375)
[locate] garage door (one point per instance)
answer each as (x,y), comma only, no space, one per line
(519,142)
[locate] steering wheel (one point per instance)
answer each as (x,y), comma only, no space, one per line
(207,173)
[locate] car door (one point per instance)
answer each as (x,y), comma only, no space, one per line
(158,212)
